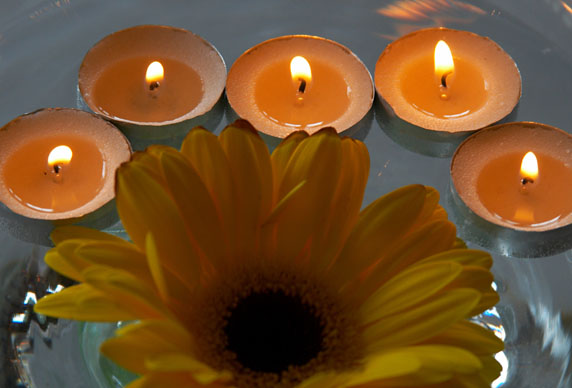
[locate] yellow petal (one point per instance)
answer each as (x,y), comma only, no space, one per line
(196,207)
(471,381)
(281,157)
(421,322)
(459,244)
(72,256)
(83,303)
(409,288)
(148,161)
(380,367)
(205,153)
(430,205)
(315,157)
(174,362)
(144,207)
(156,268)
(172,291)
(382,223)
(435,364)
(69,232)
(317,161)
(137,342)
(438,214)
(470,336)
(78,248)
(474,277)
(157,151)
(133,294)
(488,300)
(278,210)
(163,380)
(430,239)
(491,368)
(268,230)
(249,161)
(115,255)
(345,206)
(326,380)
(480,279)
(169,331)
(471,257)
(63,259)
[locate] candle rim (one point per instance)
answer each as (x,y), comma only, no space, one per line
(294,37)
(112,160)
(464,124)
(476,206)
(202,108)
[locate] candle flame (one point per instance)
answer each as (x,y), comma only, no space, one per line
(529,166)
(60,155)
(300,69)
(155,72)
(444,64)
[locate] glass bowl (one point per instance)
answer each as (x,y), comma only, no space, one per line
(42,44)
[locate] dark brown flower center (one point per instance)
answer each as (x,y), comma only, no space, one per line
(274,326)
(271,331)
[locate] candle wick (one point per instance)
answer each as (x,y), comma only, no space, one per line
(154,85)
(302,87)
(444,79)
(56,176)
(526,180)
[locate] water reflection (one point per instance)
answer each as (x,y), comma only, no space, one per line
(425,9)
(50,7)
(492,321)
(503,360)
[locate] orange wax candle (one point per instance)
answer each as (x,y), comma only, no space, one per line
(33,181)
(332,87)
(324,99)
(477,85)
(466,94)
(496,176)
(59,163)
(121,90)
(516,198)
(114,80)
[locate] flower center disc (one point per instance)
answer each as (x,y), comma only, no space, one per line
(272,331)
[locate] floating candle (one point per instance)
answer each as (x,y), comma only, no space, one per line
(125,93)
(299,83)
(59,164)
(522,196)
(517,175)
(150,79)
(447,80)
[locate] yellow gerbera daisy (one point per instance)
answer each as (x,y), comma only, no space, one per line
(254,270)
